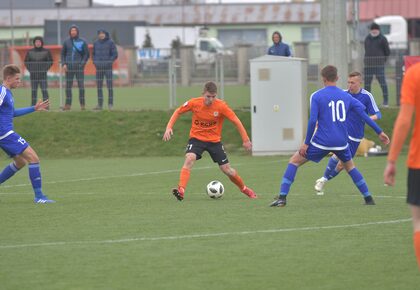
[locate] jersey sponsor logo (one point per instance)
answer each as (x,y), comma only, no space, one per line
(216,113)
(205,124)
(185,104)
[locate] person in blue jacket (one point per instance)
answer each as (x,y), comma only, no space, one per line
(104,54)
(279,48)
(74,56)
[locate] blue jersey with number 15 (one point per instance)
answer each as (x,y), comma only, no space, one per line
(330,107)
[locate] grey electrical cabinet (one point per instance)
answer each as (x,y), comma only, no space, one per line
(279,104)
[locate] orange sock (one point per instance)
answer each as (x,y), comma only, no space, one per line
(416,239)
(238,181)
(184,177)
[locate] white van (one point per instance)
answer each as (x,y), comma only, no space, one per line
(394,28)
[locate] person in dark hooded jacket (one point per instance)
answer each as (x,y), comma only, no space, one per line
(376,53)
(104,54)
(74,56)
(38,61)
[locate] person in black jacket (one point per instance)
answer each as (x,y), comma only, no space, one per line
(38,61)
(104,54)
(376,54)
(74,56)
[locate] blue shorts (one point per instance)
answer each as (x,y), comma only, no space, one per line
(353,145)
(13,144)
(316,154)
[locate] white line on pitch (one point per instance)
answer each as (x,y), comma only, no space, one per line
(131,175)
(208,235)
(380,196)
(31,193)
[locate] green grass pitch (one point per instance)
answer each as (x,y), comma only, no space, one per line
(116,226)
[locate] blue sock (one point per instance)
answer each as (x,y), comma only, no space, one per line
(35,177)
(8,172)
(359,181)
(288,178)
(330,171)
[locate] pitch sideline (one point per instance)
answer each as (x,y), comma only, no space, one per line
(130,175)
(209,235)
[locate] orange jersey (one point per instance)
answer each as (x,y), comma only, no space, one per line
(207,121)
(410,94)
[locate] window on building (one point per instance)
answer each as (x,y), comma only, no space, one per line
(310,34)
(204,45)
(385,28)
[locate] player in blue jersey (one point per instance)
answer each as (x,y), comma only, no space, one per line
(330,107)
(13,144)
(355,127)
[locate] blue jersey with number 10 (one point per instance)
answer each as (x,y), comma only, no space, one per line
(330,107)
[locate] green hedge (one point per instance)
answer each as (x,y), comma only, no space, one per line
(112,134)
(124,134)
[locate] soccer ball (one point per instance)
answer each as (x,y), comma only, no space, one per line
(215,189)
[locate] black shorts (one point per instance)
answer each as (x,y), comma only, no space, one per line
(216,150)
(413,186)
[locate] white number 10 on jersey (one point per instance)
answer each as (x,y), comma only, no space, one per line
(338,111)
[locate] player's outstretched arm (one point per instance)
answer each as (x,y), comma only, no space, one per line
(245,139)
(247,145)
(359,109)
(384,138)
(381,134)
(230,114)
(169,132)
(42,105)
(401,128)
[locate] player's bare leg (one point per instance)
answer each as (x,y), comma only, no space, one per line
(415,213)
(237,180)
(184,176)
(19,161)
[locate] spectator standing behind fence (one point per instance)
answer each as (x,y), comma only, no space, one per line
(104,54)
(279,48)
(376,54)
(38,61)
(74,56)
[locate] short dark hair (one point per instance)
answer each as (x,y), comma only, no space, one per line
(10,70)
(355,74)
(210,87)
(278,33)
(329,73)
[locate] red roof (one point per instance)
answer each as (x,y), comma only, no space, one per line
(370,9)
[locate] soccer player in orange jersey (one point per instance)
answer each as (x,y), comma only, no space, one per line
(208,114)
(410,104)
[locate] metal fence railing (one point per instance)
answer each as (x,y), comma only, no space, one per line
(166,82)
